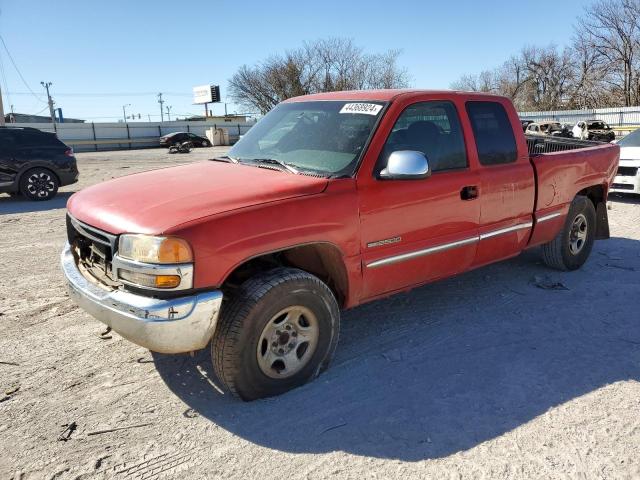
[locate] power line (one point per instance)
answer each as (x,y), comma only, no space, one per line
(161,101)
(113,94)
(46,85)
(4,81)
(18,70)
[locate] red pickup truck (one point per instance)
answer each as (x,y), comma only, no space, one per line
(329,201)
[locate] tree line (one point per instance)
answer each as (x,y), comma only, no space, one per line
(600,68)
(324,65)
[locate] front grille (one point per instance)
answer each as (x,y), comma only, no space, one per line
(622,186)
(627,171)
(93,250)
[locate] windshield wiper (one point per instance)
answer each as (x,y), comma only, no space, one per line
(225,158)
(273,161)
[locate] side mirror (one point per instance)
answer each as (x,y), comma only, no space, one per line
(406,165)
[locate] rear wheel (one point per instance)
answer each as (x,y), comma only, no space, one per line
(572,246)
(39,184)
(277,332)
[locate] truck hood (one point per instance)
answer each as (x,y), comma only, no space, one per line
(154,201)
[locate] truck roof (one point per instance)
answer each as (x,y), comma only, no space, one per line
(384,95)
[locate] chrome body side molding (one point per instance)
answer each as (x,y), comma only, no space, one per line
(502,231)
(549,216)
(421,253)
(448,246)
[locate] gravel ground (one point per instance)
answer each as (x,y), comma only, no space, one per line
(485,375)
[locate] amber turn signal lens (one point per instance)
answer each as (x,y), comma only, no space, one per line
(149,280)
(174,250)
(167,281)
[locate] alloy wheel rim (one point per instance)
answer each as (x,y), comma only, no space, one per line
(40,184)
(288,342)
(578,234)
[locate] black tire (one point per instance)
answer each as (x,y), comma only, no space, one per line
(245,318)
(206,143)
(566,252)
(39,184)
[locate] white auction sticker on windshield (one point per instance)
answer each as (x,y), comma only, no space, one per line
(365,108)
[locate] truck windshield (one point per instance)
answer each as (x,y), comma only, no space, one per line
(326,137)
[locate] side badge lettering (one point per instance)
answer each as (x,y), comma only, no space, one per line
(386,241)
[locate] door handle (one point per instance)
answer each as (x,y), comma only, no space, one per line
(469,192)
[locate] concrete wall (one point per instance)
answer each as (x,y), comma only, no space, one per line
(85,137)
(616,117)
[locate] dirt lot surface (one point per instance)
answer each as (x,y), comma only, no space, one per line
(486,375)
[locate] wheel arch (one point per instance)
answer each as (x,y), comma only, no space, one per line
(598,196)
(325,260)
(25,168)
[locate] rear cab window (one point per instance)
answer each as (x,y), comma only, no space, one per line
(493,133)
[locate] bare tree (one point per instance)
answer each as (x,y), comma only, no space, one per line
(613,30)
(321,66)
(589,89)
(549,76)
(600,68)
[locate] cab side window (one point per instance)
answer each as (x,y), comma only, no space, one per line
(493,133)
(432,128)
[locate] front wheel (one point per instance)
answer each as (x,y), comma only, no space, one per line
(277,332)
(39,184)
(572,246)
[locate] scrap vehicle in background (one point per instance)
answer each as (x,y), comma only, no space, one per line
(554,129)
(628,176)
(181,137)
(184,147)
(525,124)
(329,201)
(34,163)
(566,130)
(595,130)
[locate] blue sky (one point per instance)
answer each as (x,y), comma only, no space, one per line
(116,47)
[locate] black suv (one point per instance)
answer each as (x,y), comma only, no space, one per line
(34,163)
(179,137)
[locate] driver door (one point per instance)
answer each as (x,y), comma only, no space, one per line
(415,231)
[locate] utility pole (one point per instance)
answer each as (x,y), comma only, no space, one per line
(124,112)
(1,110)
(169,107)
(46,85)
(160,101)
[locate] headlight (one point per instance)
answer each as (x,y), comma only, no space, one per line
(149,249)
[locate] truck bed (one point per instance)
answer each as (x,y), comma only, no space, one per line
(537,144)
(563,168)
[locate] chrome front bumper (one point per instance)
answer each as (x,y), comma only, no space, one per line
(176,325)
